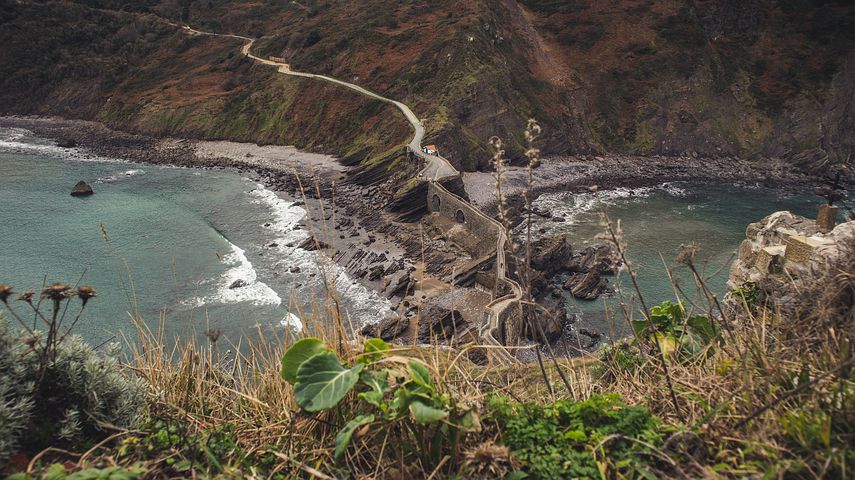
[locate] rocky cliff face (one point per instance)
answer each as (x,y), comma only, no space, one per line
(783,254)
(709,78)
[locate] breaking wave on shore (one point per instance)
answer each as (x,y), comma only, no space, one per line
(251,289)
(309,269)
(571,206)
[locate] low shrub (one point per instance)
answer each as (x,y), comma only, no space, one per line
(599,437)
(55,389)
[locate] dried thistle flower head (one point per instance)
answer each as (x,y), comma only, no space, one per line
(85,292)
(26,296)
(687,253)
(5,292)
(56,292)
(489,460)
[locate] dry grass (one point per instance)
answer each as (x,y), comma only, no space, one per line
(775,394)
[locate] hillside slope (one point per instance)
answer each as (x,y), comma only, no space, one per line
(715,78)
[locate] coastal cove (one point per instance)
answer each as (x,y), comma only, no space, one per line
(158,239)
(189,234)
(656,221)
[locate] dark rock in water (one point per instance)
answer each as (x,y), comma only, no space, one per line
(439,323)
(311,244)
(295,270)
(67,143)
(600,259)
(273,245)
(82,189)
(586,286)
(387,329)
(239,283)
(587,338)
(551,255)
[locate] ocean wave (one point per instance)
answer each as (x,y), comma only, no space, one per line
(360,302)
(286,215)
(21,140)
(571,206)
(115,177)
(239,269)
(292,321)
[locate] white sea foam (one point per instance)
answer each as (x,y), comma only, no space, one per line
(361,302)
(239,268)
(292,321)
(571,206)
(21,140)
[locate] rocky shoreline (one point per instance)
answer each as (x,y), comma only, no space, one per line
(354,225)
(349,221)
(590,173)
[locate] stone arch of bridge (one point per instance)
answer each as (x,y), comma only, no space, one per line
(460,216)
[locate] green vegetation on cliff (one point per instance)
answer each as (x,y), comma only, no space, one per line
(715,78)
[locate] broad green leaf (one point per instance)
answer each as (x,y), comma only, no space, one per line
(55,472)
(379,385)
(640,327)
(299,353)
(342,440)
(420,374)
(425,414)
(374,349)
(704,328)
(667,343)
(322,382)
(518,475)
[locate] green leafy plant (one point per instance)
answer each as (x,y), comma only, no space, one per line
(676,333)
(598,438)
(58,472)
(390,391)
(749,292)
(55,389)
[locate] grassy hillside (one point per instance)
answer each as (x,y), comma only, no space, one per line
(136,72)
(712,77)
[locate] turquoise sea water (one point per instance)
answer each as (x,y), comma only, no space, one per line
(176,239)
(655,222)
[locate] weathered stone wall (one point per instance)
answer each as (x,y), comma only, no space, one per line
(455,208)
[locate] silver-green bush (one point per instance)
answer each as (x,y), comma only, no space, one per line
(76,395)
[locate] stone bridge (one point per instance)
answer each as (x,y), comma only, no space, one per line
(504,316)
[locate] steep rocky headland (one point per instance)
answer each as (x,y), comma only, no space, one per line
(709,79)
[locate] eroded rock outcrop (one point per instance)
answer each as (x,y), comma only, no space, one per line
(784,253)
(439,323)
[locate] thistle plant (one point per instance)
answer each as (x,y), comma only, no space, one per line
(53,385)
(532,132)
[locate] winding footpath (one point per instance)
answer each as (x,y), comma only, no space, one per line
(436,168)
